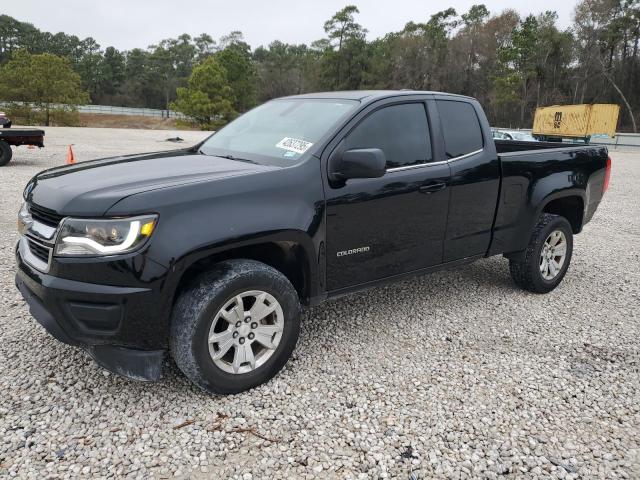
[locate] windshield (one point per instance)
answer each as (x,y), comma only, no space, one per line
(281,129)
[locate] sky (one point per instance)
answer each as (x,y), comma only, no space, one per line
(127,24)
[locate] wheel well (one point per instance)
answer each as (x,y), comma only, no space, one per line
(571,208)
(289,258)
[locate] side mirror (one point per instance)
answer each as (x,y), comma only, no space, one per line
(360,163)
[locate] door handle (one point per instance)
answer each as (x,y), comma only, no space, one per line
(432,187)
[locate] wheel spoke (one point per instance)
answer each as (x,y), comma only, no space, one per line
(553,270)
(555,238)
(560,250)
(242,355)
(239,308)
(260,309)
(265,333)
(544,266)
(230,317)
(223,348)
(221,337)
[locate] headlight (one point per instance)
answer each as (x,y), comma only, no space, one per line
(24,219)
(79,236)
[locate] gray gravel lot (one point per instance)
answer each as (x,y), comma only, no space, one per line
(457,374)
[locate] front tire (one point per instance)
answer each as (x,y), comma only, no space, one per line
(235,326)
(547,257)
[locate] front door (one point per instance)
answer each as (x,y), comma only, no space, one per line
(381,227)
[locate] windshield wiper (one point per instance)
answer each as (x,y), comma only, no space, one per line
(231,157)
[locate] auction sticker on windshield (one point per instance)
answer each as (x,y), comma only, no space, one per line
(294,145)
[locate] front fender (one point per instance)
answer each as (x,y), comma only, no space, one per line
(204,219)
(310,260)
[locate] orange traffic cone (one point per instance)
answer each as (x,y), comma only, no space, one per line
(70,158)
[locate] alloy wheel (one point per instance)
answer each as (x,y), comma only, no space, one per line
(246,332)
(553,255)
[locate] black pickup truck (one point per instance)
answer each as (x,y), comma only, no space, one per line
(208,253)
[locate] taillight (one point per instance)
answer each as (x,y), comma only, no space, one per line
(607,175)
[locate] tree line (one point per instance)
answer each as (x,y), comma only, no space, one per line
(511,63)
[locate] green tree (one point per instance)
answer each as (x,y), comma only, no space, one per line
(88,67)
(205,46)
(170,64)
(473,22)
(242,75)
(342,26)
(16,35)
(345,55)
(285,69)
(112,71)
(418,54)
(607,41)
(519,61)
(138,88)
(208,97)
(43,80)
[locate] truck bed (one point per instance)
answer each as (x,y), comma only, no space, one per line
(577,170)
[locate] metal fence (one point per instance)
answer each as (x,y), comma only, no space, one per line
(112,110)
(145,112)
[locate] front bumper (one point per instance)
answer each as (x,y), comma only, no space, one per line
(124,329)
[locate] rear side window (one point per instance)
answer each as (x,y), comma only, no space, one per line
(460,126)
(400,131)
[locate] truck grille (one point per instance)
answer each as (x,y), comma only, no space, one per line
(39,250)
(44,215)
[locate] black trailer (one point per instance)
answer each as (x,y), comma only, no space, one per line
(17,137)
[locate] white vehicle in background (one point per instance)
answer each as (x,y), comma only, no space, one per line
(513,135)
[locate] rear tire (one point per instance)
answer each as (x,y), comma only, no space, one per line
(216,306)
(547,257)
(5,153)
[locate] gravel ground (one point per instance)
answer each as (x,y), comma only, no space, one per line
(457,374)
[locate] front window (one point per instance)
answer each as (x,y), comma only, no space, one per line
(400,131)
(281,130)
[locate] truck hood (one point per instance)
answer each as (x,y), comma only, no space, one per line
(90,188)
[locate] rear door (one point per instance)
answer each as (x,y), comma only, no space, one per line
(386,226)
(475,176)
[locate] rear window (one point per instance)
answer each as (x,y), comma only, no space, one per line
(461,128)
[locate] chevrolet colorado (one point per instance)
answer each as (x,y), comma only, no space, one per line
(208,253)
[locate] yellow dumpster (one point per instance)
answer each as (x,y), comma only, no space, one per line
(575,121)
